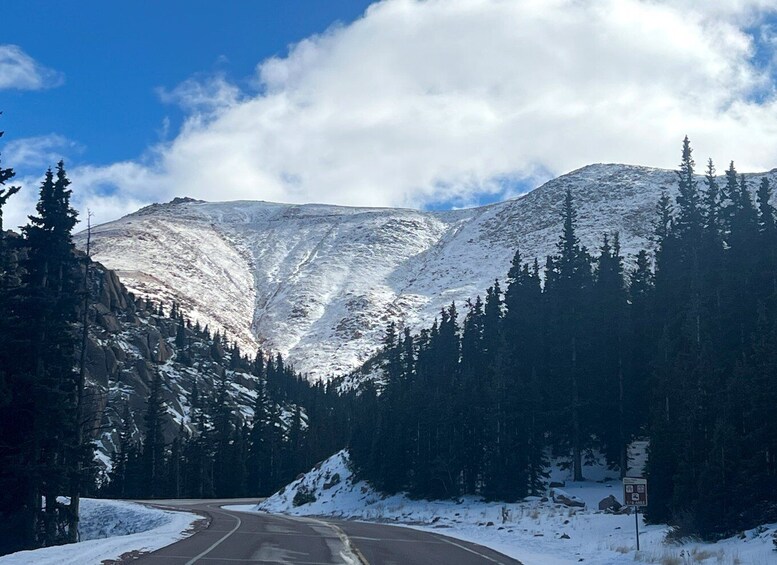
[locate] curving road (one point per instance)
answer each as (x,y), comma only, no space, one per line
(238,537)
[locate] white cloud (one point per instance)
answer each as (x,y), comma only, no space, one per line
(20,205)
(108,192)
(207,94)
(38,152)
(30,153)
(434,101)
(20,71)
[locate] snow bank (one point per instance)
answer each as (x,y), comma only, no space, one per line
(109,529)
(534,531)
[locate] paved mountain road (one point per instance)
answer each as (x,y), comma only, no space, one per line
(238,537)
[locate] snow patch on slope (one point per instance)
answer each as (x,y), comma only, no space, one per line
(184,259)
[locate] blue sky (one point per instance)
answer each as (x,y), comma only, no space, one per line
(421,103)
(114,56)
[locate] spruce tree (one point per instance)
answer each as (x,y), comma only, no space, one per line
(689,205)
(44,313)
(608,316)
(569,292)
(174,480)
(153,438)
(390,450)
(10,493)
(119,480)
(641,336)
(472,400)
(180,335)
(258,463)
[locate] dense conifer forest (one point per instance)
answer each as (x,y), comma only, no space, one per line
(221,453)
(580,355)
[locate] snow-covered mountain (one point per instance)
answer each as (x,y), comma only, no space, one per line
(318,283)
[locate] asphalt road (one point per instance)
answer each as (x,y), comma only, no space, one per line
(239,537)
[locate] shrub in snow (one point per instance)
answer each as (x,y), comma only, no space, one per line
(303,496)
(684,529)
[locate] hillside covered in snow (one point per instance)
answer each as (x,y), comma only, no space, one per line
(579,522)
(319,283)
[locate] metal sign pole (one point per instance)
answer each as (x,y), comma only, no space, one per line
(636,523)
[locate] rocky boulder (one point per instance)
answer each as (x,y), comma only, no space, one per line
(610,504)
(561,497)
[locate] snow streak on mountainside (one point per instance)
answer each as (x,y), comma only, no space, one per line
(319,283)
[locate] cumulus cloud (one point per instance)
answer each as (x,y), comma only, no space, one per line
(20,71)
(421,102)
(108,191)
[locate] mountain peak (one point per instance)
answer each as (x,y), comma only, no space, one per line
(319,283)
(155,207)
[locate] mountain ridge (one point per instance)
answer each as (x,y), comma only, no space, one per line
(319,282)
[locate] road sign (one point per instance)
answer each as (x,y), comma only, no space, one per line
(635,492)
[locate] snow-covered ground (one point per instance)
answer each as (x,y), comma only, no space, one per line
(109,529)
(537,531)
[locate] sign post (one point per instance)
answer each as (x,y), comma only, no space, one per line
(635,494)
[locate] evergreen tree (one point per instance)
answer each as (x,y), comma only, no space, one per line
(471,402)
(153,439)
(11,523)
(390,450)
(258,464)
(767,244)
(198,451)
(641,338)
(180,335)
(120,480)
(609,326)
(568,294)
(44,385)
(689,220)
(174,485)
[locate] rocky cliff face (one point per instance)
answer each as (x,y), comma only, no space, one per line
(129,342)
(319,283)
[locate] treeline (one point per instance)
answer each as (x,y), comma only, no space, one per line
(44,450)
(579,356)
(217,450)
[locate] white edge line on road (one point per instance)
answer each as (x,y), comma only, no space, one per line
(465,548)
(215,545)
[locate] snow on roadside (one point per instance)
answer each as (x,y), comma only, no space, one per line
(534,531)
(109,529)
